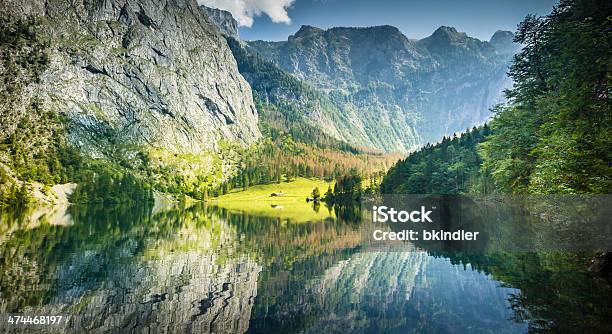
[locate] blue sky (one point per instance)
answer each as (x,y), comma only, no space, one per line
(277,19)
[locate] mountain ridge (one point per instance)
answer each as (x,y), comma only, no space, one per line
(404,93)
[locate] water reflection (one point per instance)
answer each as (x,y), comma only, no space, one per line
(371,292)
(208,269)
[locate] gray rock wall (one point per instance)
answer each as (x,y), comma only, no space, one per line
(144,73)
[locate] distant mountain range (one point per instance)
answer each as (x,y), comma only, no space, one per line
(388,91)
(400,93)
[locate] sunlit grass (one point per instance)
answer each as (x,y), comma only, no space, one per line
(292,205)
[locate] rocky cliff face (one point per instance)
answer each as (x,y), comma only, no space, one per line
(140,73)
(345,56)
(400,93)
(223,20)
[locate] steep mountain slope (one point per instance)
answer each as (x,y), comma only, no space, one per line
(400,93)
(292,106)
(141,73)
(301,127)
(143,83)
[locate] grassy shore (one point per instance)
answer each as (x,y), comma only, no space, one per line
(291,205)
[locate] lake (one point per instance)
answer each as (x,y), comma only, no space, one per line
(199,268)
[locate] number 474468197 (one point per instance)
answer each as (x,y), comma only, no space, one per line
(34,320)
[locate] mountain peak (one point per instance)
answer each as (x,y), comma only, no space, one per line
(448,32)
(306,30)
(503,41)
(446,29)
(502,37)
(385,28)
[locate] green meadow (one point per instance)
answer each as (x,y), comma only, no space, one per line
(292,205)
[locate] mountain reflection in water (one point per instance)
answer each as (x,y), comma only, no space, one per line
(205,269)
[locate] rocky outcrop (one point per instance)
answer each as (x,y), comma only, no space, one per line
(398,93)
(224,21)
(140,73)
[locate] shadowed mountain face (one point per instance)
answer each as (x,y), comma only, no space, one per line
(400,93)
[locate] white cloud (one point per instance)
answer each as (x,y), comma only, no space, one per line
(245,10)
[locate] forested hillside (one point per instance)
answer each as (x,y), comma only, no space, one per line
(287,105)
(449,167)
(293,145)
(554,136)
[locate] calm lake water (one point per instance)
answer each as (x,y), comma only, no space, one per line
(204,269)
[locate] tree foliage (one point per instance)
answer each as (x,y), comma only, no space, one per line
(554,136)
(449,167)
